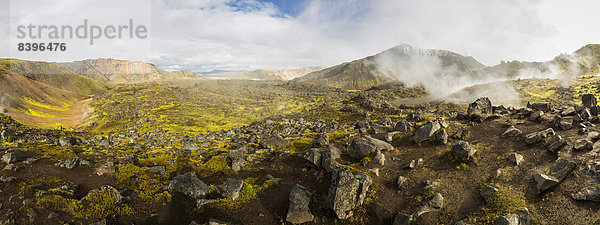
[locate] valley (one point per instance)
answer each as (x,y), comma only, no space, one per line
(354,143)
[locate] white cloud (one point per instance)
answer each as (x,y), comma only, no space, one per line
(247,34)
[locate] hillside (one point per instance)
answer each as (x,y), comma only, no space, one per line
(122,71)
(262,74)
(38,104)
(53,75)
(398,63)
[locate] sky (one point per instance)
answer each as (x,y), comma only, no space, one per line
(208,35)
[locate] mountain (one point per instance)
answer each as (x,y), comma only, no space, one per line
(122,71)
(398,63)
(53,75)
(262,74)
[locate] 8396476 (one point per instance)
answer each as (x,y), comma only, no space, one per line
(41,47)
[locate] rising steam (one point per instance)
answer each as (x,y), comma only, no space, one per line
(444,73)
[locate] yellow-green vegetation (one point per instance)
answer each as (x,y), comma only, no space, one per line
(197,108)
(65,105)
(57,152)
(501,203)
(217,164)
(536,90)
(37,113)
(97,205)
(147,186)
(248,192)
(300,144)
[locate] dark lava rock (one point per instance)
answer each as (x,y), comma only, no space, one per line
(520,217)
(463,150)
(346,192)
(231,188)
(10,157)
(588,100)
(299,211)
(481,105)
(188,184)
(365,145)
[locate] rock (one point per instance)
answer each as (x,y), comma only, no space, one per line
(582,145)
(586,114)
(384,136)
(365,145)
(479,117)
(402,219)
(71,163)
(515,158)
(536,115)
(52,215)
(593,135)
(30,160)
(157,169)
(379,158)
(274,140)
(384,214)
(496,173)
(544,106)
(430,185)
(520,217)
(427,130)
(314,156)
(568,111)
(588,194)
(231,188)
(321,140)
(512,131)
(69,141)
(346,192)
(565,123)
(481,105)
(10,157)
(402,126)
(463,150)
(434,204)
(115,195)
(400,182)
(374,171)
(556,143)
(441,137)
(544,182)
(32,214)
(588,100)
(299,211)
(414,163)
(487,192)
(188,184)
(462,222)
(212,221)
(539,136)
(561,168)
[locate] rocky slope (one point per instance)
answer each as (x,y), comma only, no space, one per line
(397,63)
(262,74)
(53,75)
(121,71)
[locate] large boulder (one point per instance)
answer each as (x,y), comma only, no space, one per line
(588,194)
(544,182)
(188,184)
(588,100)
(463,150)
(346,192)
(481,105)
(231,188)
(299,211)
(365,145)
(274,140)
(428,129)
(325,157)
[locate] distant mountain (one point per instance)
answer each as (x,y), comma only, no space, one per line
(122,71)
(397,63)
(262,74)
(53,75)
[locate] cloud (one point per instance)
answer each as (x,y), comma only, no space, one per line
(248,34)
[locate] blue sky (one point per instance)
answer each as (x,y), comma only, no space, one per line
(205,35)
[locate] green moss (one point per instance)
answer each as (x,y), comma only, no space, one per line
(501,203)
(248,192)
(217,163)
(97,206)
(300,144)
